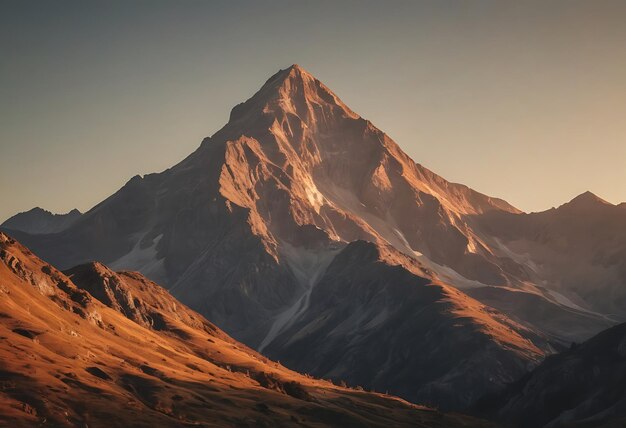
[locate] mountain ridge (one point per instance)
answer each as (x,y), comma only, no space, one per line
(38,220)
(246,227)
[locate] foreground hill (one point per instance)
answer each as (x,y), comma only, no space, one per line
(583,387)
(114,349)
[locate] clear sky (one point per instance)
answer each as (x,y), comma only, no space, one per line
(522,100)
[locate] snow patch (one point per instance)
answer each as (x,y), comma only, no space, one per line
(445,273)
(396,238)
(143,260)
(449,275)
(405,243)
(523,259)
(307,266)
(561,299)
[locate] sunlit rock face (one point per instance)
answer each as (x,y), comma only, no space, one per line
(248,229)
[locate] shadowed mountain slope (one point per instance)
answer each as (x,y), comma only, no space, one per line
(70,360)
(371,313)
(582,387)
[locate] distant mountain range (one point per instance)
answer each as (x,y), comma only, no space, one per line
(38,221)
(307,233)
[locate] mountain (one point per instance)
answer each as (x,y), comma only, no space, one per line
(249,229)
(136,297)
(372,320)
(579,249)
(99,348)
(583,386)
(38,221)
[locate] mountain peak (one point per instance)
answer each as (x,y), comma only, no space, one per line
(291,91)
(587,200)
(38,220)
(295,68)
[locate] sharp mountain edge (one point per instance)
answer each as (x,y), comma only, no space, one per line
(38,221)
(307,233)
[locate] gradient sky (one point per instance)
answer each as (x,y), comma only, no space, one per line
(520,100)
